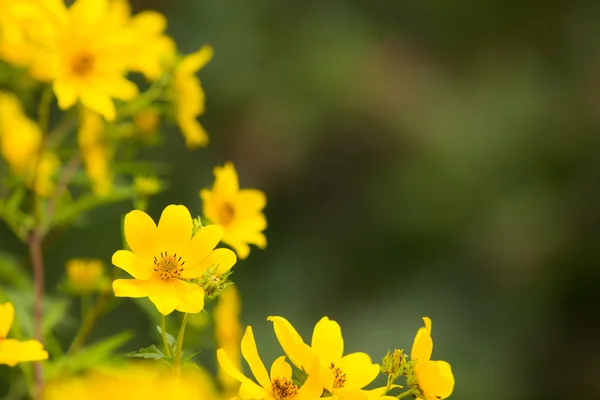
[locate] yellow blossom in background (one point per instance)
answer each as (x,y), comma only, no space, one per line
(139,381)
(228,334)
(189,97)
(276,386)
(239,212)
(86,276)
(21,144)
(147,185)
(14,351)
(153,50)
(95,151)
(163,257)
(20,137)
(90,56)
(146,121)
(26,27)
(434,378)
(343,376)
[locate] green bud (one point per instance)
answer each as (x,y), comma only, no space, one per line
(393,363)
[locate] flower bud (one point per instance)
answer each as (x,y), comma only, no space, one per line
(86,276)
(393,363)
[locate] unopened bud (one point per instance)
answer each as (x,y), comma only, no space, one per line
(393,363)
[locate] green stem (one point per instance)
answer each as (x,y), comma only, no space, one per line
(407,393)
(44,108)
(178,348)
(390,380)
(163,326)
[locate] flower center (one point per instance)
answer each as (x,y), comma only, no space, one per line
(82,64)
(168,266)
(284,389)
(226,214)
(339,378)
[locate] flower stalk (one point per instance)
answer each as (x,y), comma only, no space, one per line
(179,346)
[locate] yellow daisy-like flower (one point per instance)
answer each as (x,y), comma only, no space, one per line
(189,97)
(164,258)
(276,386)
(228,333)
(91,55)
(343,376)
(13,351)
(434,378)
(239,212)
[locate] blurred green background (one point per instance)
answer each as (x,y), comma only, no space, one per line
(420,158)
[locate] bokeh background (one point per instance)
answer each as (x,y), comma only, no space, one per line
(420,158)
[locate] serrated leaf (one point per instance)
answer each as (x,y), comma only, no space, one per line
(151,352)
(170,338)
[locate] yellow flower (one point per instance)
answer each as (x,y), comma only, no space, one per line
(146,122)
(164,258)
(90,56)
(140,381)
(153,50)
(95,151)
(228,333)
(147,185)
(188,96)
(86,276)
(13,351)
(20,145)
(25,27)
(343,376)
(277,386)
(20,137)
(239,212)
(434,378)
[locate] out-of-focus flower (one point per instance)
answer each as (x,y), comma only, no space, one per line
(20,137)
(95,151)
(140,381)
(239,212)
(343,376)
(189,97)
(163,257)
(146,121)
(434,379)
(228,334)
(14,351)
(86,276)
(278,385)
(20,146)
(147,185)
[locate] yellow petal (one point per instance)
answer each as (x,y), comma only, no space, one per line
(228,367)
(226,181)
(165,304)
(312,387)
(136,288)
(13,351)
(423,344)
(195,61)
(175,229)
(359,369)
(240,247)
(65,94)
(327,341)
(193,300)
(250,353)
(7,315)
(100,102)
(223,259)
(291,342)
(351,394)
(135,266)
(141,234)
(281,369)
(250,390)
(149,22)
(250,200)
(435,379)
(121,88)
(201,245)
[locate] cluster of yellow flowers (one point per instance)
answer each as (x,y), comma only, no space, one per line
(80,59)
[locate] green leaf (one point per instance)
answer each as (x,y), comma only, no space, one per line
(188,358)
(148,352)
(12,273)
(99,353)
(170,338)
